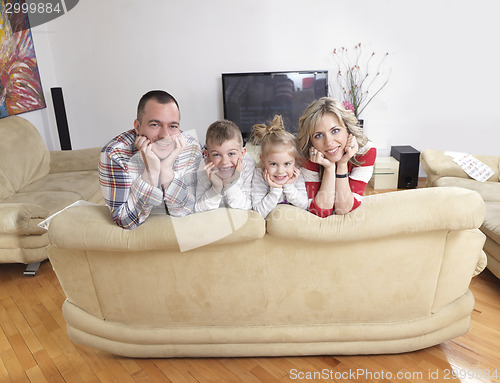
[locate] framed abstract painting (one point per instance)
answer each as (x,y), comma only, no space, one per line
(20,87)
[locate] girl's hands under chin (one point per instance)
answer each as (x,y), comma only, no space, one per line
(293,178)
(269,181)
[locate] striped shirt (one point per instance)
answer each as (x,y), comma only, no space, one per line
(130,199)
(358,179)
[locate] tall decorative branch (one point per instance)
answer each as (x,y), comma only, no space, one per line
(355,86)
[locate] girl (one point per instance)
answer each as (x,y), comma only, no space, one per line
(278,179)
(340,156)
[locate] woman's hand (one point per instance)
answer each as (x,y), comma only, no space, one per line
(351,148)
(318,158)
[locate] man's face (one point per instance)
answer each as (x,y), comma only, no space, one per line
(160,124)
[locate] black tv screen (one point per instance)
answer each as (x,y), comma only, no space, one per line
(254,98)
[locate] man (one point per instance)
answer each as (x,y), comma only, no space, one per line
(151,168)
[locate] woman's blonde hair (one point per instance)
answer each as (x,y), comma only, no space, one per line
(313,115)
(274,134)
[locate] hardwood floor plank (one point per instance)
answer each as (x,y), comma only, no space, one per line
(34,347)
(49,369)
(13,366)
(149,372)
(35,374)
(210,371)
(176,371)
(4,374)
(236,367)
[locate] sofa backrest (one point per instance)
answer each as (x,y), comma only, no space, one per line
(494,163)
(24,157)
(436,165)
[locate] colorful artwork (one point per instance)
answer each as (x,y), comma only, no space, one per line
(20,87)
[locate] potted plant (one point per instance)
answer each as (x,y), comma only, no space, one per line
(358,81)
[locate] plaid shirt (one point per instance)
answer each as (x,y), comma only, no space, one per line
(130,199)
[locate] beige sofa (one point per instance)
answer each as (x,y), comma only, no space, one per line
(443,171)
(35,183)
(391,276)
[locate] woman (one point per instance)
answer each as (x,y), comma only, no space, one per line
(340,157)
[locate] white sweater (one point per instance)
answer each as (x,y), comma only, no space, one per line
(236,195)
(265,198)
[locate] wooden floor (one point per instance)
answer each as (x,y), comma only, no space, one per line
(34,347)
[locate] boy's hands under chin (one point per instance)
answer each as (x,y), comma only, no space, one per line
(237,172)
(211,172)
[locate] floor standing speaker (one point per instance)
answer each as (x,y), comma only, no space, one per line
(409,162)
(61,118)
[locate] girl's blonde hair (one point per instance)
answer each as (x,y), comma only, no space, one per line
(313,115)
(274,134)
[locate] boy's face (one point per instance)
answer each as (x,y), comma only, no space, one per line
(225,157)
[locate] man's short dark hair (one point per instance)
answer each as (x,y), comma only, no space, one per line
(159,96)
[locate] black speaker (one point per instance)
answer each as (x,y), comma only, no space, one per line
(61,118)
(409,162)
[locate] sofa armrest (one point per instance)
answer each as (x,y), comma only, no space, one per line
(21,218)
(74,160)
(91,228)
(436,165)
(384,215)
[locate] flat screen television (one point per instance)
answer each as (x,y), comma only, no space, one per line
(254,98)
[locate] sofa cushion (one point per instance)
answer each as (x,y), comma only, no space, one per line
(24,158)
(84,183)
(96,230)
(494,163)
(490,191)
(5,186)
(491,225)
(21,218)
(50,200)
(432,206)
(445,166)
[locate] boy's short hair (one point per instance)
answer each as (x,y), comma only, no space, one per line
(221,131)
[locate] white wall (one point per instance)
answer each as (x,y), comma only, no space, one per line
(442,93)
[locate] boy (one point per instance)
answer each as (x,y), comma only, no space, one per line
(226,179)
